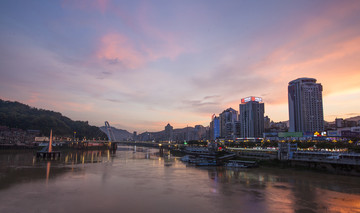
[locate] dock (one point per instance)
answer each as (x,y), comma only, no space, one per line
(47,153)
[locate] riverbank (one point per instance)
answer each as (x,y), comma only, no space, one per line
(16,147)
(81,146)
(353,170)
(325,168)
(322,167)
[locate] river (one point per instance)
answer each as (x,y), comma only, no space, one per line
(138,179)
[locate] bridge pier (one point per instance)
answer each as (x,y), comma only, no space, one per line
(113,146)
(161,150)
(48,155)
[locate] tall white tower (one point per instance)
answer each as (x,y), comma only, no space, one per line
(305,105)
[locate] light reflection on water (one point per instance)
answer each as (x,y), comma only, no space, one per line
(139,179)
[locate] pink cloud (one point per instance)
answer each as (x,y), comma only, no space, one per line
(34,97)
(308,31)
(333,13)
(169,45)
(116,48)
(134,53)
(158,43)
(313,51)
(74,106)
(335,52)
(320,23)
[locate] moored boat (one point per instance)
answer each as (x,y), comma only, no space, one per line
(240,164)
(206,162)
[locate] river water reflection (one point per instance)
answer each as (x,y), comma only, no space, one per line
(137,179)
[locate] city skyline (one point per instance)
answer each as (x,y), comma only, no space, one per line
(141,65)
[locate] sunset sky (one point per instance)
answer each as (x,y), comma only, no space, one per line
(142,64)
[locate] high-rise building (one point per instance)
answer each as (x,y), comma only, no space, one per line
(267,122)
(339,122)
(200,132)
(134,135)
(251,117)
(169,132)
(214,128)
(227,123)
(305,106)
(238,129)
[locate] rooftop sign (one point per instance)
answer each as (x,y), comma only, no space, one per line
(251,98)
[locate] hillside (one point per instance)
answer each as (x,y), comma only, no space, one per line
(356,118)
(187,133)
(18,115)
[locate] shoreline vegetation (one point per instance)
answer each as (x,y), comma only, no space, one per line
(18,116)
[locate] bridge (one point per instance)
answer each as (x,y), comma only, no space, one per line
(113,142)
(283,153)
(112,145)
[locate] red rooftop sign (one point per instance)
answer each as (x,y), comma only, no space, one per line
(251,98)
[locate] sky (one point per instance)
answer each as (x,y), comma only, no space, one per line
(143,64)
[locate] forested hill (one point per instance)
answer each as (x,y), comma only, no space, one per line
(18,115)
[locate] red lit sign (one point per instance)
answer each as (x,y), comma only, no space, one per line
(251,98)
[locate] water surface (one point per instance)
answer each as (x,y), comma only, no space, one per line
(137,179)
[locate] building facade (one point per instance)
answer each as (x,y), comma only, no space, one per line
(251,117)
(267,122)
(339,122)
(228,118)
(169,131)
(214,128)
(305,106)
(134,135)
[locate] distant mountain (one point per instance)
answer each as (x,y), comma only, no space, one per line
(18,115)
(119,134)
(188,133)
(356,118)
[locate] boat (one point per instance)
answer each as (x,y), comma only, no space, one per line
(335,157)
(234,164)
(197,151)
(185,158)
(192,159)
(205,156)
(240,164)
(206,162)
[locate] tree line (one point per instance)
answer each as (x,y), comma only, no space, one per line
(18,115)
